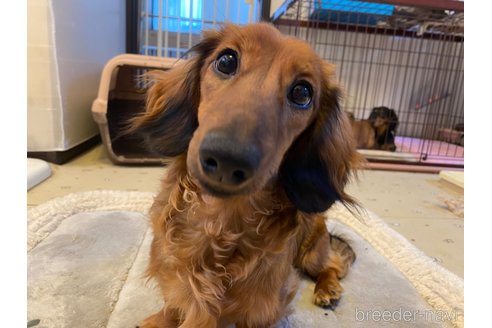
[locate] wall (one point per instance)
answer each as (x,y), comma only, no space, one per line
(43,95)
(68,42)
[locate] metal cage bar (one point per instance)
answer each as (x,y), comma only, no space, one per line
(405,55)
(168,28)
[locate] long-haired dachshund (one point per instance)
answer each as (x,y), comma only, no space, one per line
(385,122)
(258,149)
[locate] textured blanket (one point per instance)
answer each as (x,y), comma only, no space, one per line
(87,252)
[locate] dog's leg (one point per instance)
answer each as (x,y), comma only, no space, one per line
(268,312)
(326,259)
(328,290)
(276,325)
(389,146)
(169,319)
(162,319)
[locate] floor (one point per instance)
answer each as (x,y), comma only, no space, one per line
(411,203)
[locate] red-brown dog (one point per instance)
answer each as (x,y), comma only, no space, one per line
(258,149)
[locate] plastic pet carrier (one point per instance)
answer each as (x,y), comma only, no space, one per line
(121,96)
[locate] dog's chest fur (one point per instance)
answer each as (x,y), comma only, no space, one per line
(215,250)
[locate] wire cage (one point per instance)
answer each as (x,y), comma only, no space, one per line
(405,56)
(168,28)
(402,55)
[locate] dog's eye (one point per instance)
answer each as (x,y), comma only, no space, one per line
(226,62)
(301,94)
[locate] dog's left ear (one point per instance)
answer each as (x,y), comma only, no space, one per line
(318,164)
(170,116)
(393,118)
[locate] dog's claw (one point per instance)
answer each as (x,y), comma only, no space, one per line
(334,303)
(328,299)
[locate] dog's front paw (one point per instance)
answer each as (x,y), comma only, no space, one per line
(157,320)
(389,147)
(327,296)
(148,323)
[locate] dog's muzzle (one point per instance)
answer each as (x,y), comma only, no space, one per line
(227,164)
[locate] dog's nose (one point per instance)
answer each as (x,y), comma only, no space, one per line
(226,160)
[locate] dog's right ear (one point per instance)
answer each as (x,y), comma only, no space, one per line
(170,115)
(320,161)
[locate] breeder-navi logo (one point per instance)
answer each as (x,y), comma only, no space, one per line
(405,315)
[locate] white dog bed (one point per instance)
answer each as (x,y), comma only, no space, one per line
(87,252)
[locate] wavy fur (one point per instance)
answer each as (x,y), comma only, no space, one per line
(234,257)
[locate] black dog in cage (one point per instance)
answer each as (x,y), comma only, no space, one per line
(385,121)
